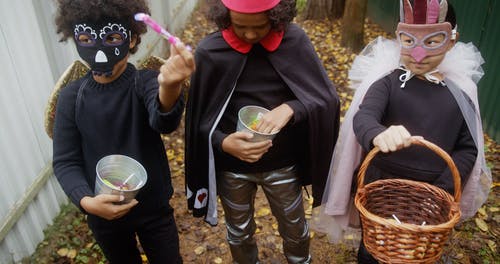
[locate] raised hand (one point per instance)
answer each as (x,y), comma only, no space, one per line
(173,72)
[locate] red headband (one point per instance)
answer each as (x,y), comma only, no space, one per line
(250,6)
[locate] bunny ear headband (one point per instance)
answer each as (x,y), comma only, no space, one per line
(423,11)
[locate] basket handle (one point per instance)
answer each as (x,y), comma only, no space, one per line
(422,142)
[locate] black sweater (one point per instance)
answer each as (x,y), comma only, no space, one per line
(121,117)
(424,109)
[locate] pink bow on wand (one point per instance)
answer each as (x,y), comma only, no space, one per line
(156,27)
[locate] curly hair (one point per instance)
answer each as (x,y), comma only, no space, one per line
(70,12)
(280,16)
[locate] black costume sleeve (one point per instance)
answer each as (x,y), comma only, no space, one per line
(217,139)
(67,157)
(161,122)
(299,111)
(464,156)
(367,121)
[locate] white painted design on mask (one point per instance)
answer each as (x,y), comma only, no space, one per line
(79,28)
(113,28)
(101,57)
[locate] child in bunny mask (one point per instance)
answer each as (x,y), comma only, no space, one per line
(409,88)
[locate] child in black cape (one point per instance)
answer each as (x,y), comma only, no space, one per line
(258,58)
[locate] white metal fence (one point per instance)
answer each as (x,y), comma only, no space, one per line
(31,60)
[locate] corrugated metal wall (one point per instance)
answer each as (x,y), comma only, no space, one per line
(31,60)
(26,79)
(478,22)
(385,13)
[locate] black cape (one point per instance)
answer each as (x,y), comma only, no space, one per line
(218,68)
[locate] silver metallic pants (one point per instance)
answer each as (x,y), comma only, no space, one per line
(284,194)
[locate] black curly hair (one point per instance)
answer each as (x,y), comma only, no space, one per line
(280,16)
(70,12)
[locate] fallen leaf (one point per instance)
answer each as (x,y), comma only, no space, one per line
(199,250)
(263,212)
(217,260)
(308,211)
(482,211)
(481,224)
(492,245)
(494,209)
(71,254)
(349,237)
(63,252)
(170,154)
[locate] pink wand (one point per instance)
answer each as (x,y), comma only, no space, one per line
(156,27)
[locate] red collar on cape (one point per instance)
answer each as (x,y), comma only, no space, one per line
(270,42)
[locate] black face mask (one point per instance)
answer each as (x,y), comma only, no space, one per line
(102,45)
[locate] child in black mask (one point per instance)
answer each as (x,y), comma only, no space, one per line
(116,109)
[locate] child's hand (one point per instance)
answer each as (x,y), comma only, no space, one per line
(103,205)
(275,120)
(177,68)
(393,138)
(237,145)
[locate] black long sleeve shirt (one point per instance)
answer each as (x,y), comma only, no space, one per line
(425,109)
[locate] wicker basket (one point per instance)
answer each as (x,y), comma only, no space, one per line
(413,203)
